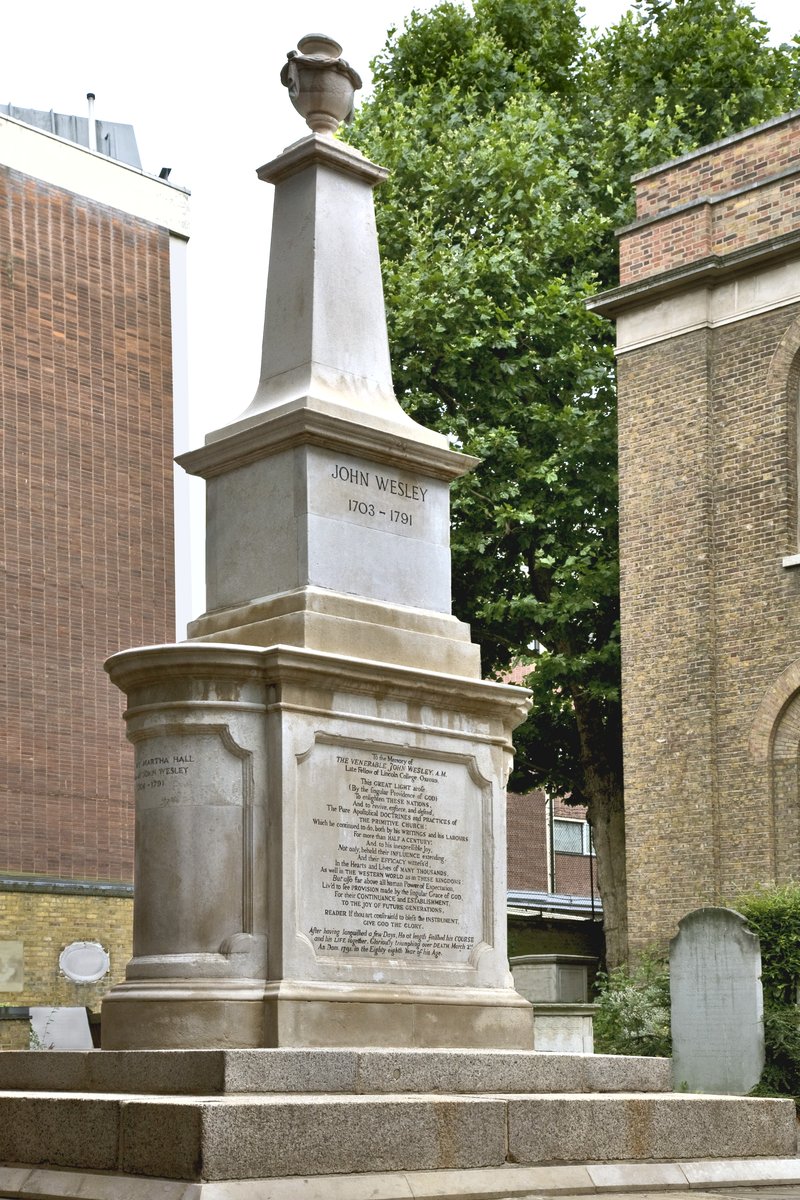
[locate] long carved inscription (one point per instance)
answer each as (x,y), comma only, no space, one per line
(392,856)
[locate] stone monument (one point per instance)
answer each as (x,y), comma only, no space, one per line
(716,1001)
(320,770)
(319,826)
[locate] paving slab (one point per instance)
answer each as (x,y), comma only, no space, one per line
(508,1182)
(632,1177)
(55,1185)
(736,1171)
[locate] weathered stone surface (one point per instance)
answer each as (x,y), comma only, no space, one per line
(59,1131)
(553,978)
(315,1137)
(240,1137)
(385,913)
(605,1073)
(613,1128)
(717,1006)
(347,1072)
(564,1028)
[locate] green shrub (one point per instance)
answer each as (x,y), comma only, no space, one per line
(774,914)
(632,1013)
(781,1074)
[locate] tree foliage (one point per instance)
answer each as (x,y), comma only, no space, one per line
(512,134)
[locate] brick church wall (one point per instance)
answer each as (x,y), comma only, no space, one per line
(708,345)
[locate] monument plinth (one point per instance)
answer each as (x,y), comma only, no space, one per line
(320,770)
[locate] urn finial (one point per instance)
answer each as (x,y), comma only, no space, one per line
(321,84)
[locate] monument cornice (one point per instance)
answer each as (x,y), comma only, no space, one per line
(316,670)
(319,150)
(305,426)
(323,670)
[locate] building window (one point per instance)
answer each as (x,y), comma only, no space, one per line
(572,837)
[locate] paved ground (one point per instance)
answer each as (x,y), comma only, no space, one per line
(744,1193)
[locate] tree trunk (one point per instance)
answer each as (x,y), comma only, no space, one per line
(600,734)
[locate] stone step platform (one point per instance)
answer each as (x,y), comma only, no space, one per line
(250,1124)
(203,1138)
(337,1071)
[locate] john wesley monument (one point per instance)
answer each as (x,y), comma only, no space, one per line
(320,799)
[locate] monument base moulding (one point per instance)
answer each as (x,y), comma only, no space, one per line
(319,853)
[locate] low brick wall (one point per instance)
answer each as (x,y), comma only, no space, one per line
(46,922)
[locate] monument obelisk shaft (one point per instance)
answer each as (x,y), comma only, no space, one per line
(320,839)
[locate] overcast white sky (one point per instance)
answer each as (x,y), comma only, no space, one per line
(200,84)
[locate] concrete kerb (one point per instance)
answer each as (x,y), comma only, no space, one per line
(495,1183)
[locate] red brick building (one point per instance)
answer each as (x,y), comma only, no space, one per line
(708,335)
(554,903)
(91,307)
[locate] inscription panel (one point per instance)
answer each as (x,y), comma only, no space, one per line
(384,498)
(390,855)
(193,839)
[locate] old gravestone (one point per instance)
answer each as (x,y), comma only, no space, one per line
(717,1006)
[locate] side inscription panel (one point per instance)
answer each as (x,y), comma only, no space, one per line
(390,854)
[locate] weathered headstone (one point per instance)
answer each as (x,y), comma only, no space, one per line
(717,1005)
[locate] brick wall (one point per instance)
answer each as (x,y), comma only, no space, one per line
(573,874)
(528,848)
(46,924)
(708,510)
(527,842)
(86,541)
(735,162)
(731,196)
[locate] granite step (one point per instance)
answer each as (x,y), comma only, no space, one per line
(194,1138)
(350,1072)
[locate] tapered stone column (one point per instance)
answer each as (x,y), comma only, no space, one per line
(320,769)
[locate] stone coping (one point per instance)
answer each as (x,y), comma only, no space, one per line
(562,960)
(676,1179)
(562,1008)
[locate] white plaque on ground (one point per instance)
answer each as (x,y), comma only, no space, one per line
(390,859)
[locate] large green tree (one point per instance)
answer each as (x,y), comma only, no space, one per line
(512,134)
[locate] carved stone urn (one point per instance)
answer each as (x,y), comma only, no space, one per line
(321,84)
